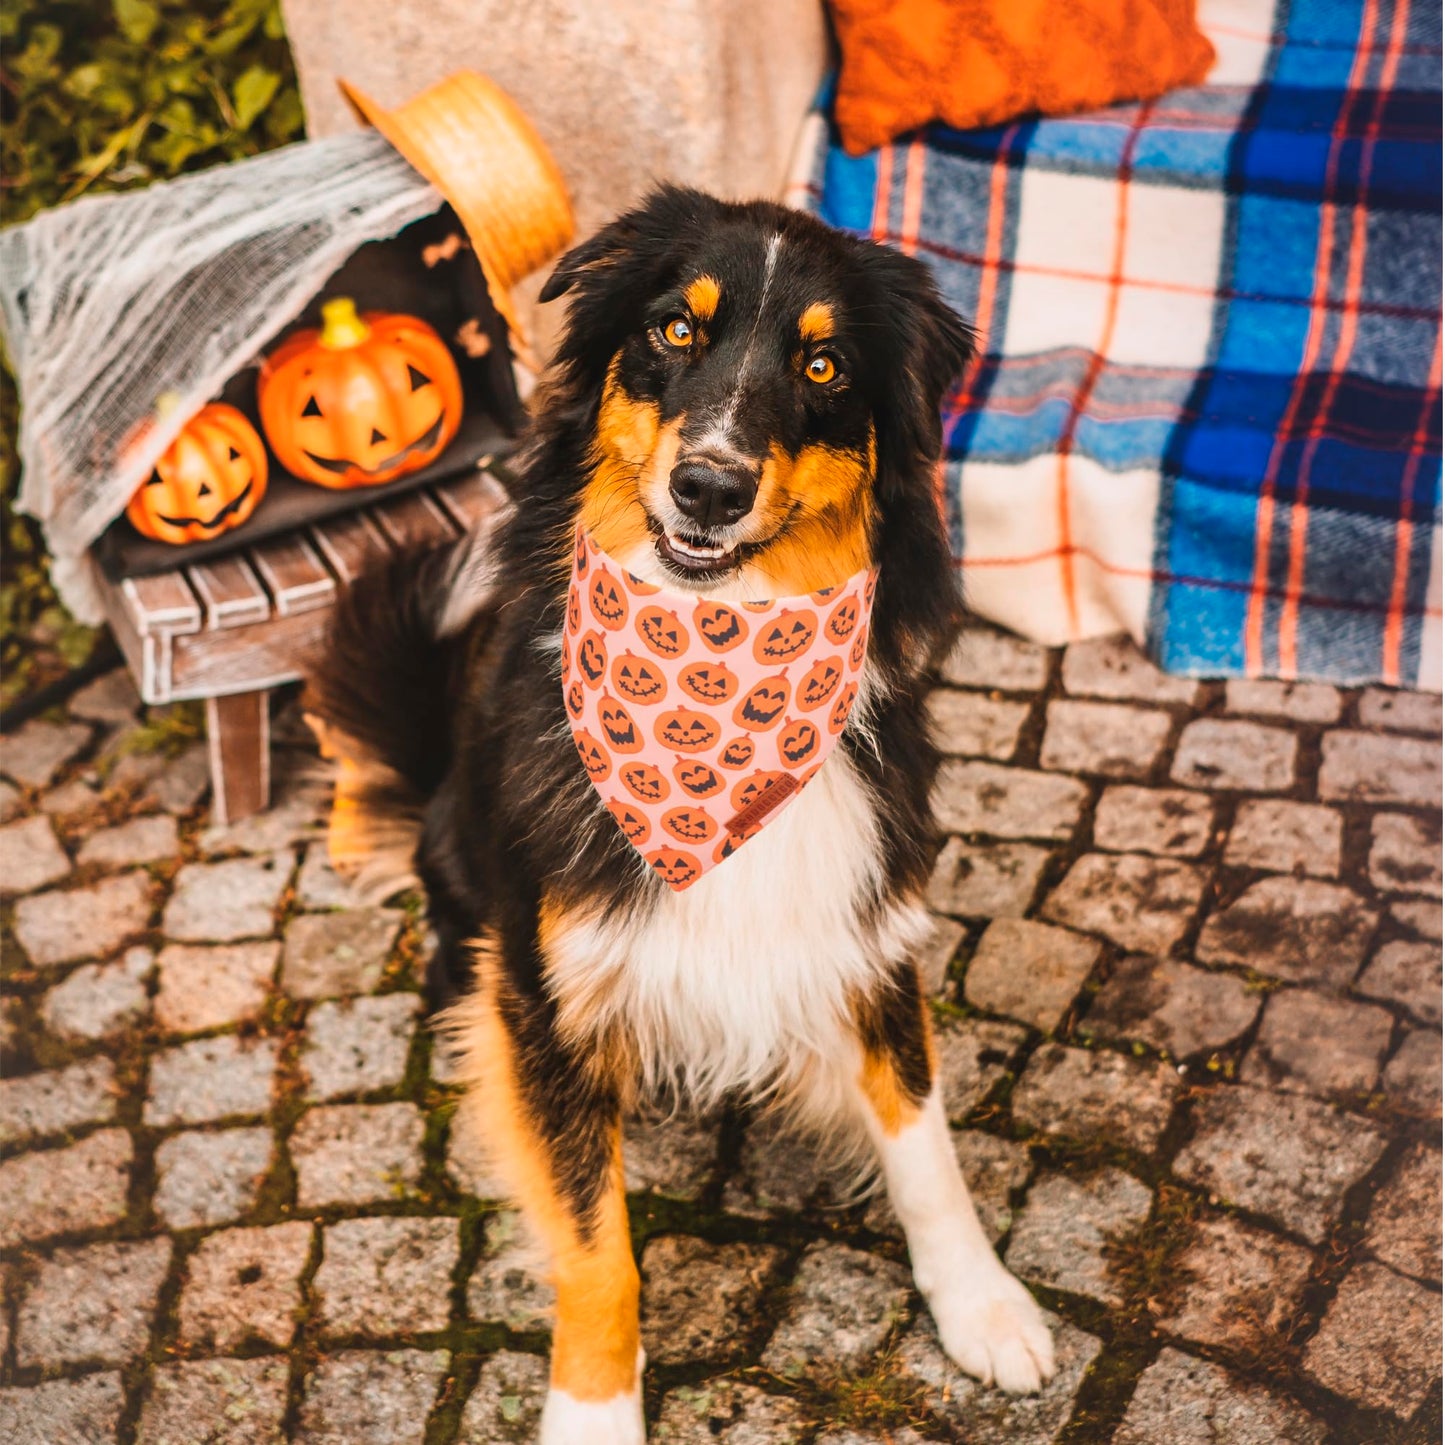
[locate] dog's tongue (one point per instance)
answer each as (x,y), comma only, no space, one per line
(698,720)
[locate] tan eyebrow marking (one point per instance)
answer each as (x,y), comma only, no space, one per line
(816,323)
(702,295)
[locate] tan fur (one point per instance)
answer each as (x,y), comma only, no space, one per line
(702,297)
(880,1085)
(816,323)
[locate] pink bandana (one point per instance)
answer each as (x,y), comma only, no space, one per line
(698,720)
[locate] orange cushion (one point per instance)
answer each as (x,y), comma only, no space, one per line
(981,62)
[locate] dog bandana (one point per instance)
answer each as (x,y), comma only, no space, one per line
(699,720)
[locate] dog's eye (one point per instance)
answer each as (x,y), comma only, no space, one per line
(677,332)
(821,369)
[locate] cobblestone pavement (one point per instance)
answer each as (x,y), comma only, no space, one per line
(1187,972)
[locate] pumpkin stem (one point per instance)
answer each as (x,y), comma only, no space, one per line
(167,403)
(341,327)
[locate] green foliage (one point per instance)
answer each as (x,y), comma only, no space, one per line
(104,95)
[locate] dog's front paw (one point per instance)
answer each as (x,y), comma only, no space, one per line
(991,1327)
(617,1421)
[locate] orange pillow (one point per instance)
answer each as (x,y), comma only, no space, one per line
(980,62)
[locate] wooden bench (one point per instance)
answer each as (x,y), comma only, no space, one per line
(230,630)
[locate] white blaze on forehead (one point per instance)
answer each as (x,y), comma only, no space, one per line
(718,436)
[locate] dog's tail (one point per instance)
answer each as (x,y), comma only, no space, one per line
(379,697)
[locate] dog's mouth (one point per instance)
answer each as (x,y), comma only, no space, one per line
(697,557)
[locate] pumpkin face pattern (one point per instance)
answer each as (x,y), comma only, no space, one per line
(782,639)
(365,399)
(210,479)
(842,620)
(700,720)
(638,679)
(574,614)
(859,650)
(708,681)
(719,626)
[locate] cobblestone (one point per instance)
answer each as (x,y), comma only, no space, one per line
(97,999)
(36,752)
(1165,821)
(935,956)
(142,840)
(984,658)
(1408,712)
(1114,667)
(1243,756)
(990,881)
(974,725)
(243,1286)
(1318,1044)
(59,927)
(1171,1006)
(1404,1228)
(1286,1157)
(1379,1343)
(319,886)
(210,1079)
(222,902)
(206,987)
(470,1165)
(1408,974)
(669,1157)
(359,1045)
(356,1153)
(505,1406)
(1306,702)
(1378,768)
(386,1276)
(1183,1401)
(1029,971)
(331,955)
(1292,928)
(1284,837)
(295,816)
(778,1173)
(63,1412)
(973,1055)
(1110,739)
(30,856)
(507,1286)
(700,1300)
(111,698)
(175,784)
(1240,1286)
(1085,1093)
(210,1177)
(1059,1239)
(12,801)
(724,1412)
(1412,1077)
(370,1397)
(54,1191)
(1404,855)
(216,1402)
(1421,918)
(93,1303)
(1007,802)
(56,1100)
(1140,903)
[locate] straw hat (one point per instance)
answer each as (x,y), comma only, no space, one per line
(468,137)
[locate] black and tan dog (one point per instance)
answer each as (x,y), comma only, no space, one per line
(745,405)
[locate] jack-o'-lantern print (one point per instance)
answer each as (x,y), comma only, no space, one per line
(823,594)
(365,399)
(842,620)
(731,842)
(632,820)
(799,741)
(580,559)
(594,756)
(638,679)
(838,718)
(738,753)
(720,626)
(608,600)
(870,587)
(819,683)
(644,782)
(708,682)
(592,658)
(747,792)
(574,613)
(859,650)
(697,779)
(618,726)
(676,868)
(639,588)
(787,635)
(763,705)
(574,699)
(686,730)
(662,632)
(760,606)
(689,825)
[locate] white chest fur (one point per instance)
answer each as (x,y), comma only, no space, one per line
(743,981)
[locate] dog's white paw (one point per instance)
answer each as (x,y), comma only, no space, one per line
(991,1327)
(617,1421)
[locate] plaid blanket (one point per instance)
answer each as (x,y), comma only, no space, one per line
(1207,409)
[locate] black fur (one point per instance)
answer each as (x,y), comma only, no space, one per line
(478,724)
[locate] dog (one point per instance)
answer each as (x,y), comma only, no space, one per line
(744,407)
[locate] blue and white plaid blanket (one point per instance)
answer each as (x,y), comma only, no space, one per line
(1207,409)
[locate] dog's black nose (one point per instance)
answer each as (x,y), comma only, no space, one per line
(713,493)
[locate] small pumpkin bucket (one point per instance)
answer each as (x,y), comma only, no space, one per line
(470,139)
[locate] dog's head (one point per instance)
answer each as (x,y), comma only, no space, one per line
(762,394)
